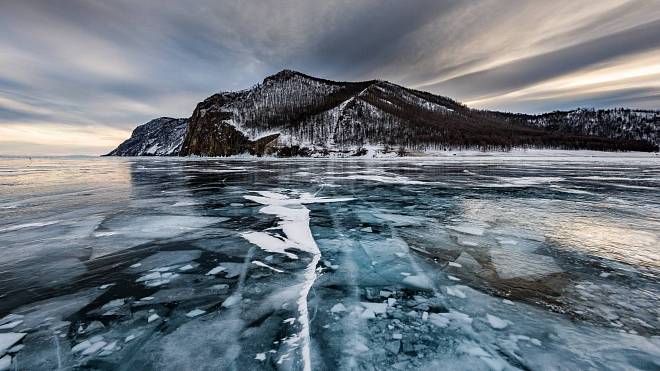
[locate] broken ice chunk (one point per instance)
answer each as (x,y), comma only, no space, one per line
(152,318)
(148,277)
(454,264)
(337,308)
(10,318)
(186,267)
(8,339)
(232,300)
(5,362)
(162,269)
(438,320)
(81,346)
(397,336)
(110,347)
(195,312)
(103,287)
(418,281)
(136,265)
(468,229)
(377,308)
(466,260)
(454,291)
(517,263)
(11,325)
(215,270)
(507,301)
(16,348)
(94,348)
(385,294)
(113,304)
(496,322)
(260,357)
(129,338)
(391,302)
(368,314)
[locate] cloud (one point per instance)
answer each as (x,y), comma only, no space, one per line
(111,65)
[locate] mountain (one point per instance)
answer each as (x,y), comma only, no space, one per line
(159,137)
(291,113)
(620,123)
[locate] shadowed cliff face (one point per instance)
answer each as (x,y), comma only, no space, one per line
(211,133)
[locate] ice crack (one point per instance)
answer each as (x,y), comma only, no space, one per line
(294,222)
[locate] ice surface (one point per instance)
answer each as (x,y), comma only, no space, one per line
(515,264)
(468,229)
(5,362)
(482,262)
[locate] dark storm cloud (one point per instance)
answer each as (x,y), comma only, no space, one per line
(115,64)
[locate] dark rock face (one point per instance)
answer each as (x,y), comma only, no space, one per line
(159,137)
(211,133)
(291,113)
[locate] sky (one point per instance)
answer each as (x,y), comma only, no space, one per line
(76,76)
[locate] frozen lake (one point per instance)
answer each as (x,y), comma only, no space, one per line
(479,263)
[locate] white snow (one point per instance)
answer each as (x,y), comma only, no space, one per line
(261,264)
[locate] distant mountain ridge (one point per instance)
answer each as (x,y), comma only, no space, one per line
(291,113)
